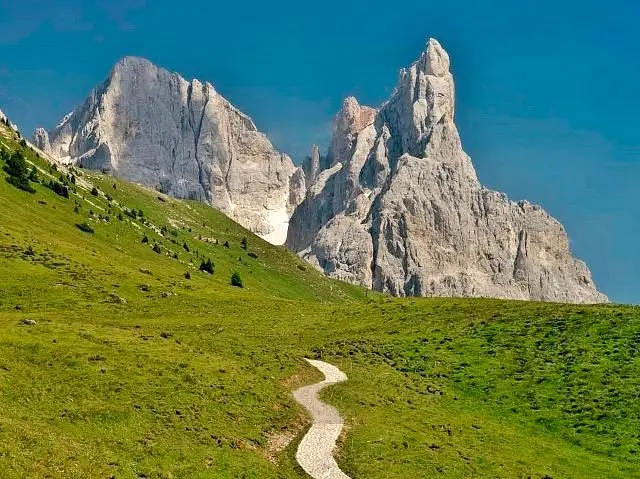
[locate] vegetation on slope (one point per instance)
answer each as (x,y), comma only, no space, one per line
(140,364)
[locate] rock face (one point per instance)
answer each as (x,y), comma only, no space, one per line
(398,207)
(148,125)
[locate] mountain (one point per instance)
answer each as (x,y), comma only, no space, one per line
(148,125)
(398,207)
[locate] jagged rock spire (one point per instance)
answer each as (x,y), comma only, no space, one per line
(401,209)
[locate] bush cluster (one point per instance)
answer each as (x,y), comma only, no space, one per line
(207,266)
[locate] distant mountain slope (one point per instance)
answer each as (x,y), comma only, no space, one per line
(148,125)
(398,207)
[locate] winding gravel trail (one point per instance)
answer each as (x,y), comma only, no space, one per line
(316,448)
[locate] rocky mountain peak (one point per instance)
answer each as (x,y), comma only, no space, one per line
(133,63)
(399,207)
(353,118)
(151,126)
(435,59)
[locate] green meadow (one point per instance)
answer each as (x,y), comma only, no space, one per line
(144,362)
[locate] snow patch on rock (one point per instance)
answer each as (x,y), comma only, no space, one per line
(279,220)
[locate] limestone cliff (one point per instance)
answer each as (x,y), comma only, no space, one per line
(399,207)
(148,125)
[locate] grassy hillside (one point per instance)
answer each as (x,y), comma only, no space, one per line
(132,370)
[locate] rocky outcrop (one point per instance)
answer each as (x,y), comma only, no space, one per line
(4,117)
(41,140)
(148,125)
(398,207)
(311,166)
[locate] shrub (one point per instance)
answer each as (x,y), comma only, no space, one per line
(58,188)
(207,266)
(156,248)
(253,255)
(243,243)
(145,239)
(16,168)
(187,275)
(186,246)
(94,191)
(130,213)
(21,184)
(76,210)
(236,280)
(227,245)
(29,251)
(120,217)
(33,176)
(85,227)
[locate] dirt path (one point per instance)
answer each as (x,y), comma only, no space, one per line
(316,448)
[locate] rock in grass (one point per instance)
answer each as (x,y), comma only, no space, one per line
(28,322)
(114,298)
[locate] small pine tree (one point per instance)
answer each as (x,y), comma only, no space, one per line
(186,247)
(145,239)
(243,243)
(236,280)
(187,275)
(76,210)
(33,176)
(94,191)
(227,245)
(156,248)
(207,266)
(16,166)
(120,217)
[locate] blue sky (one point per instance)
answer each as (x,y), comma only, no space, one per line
(547,93)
